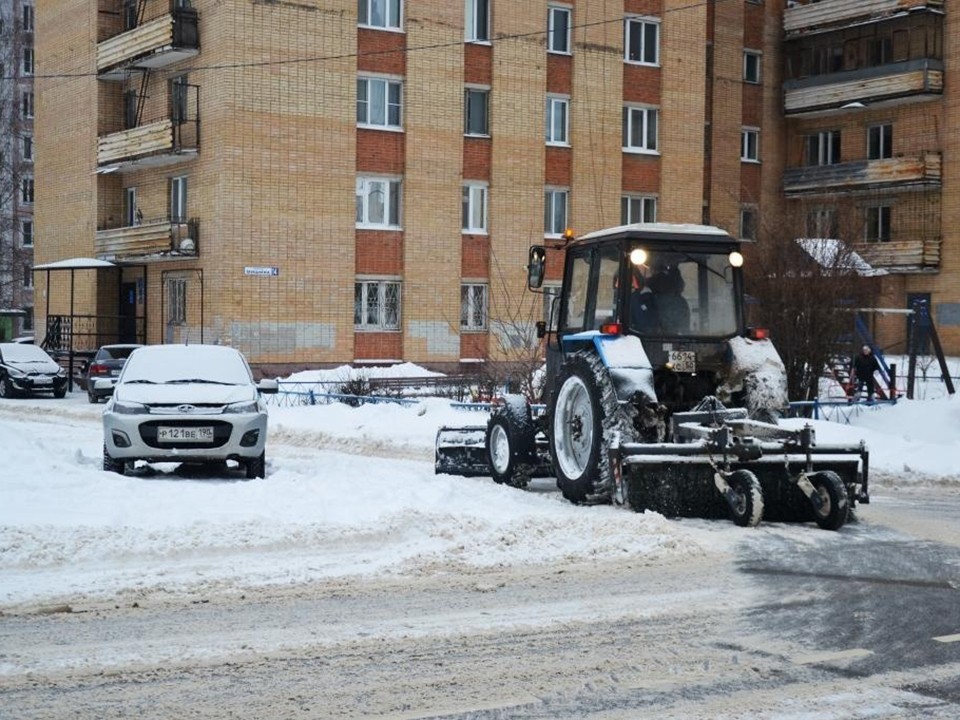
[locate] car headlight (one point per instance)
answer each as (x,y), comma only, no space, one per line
(129,408)
(61,373)
(242,407)
(14,372)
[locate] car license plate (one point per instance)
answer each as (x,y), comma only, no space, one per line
(185,434)
(42,381)
(683,361)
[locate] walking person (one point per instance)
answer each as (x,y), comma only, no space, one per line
(863,367)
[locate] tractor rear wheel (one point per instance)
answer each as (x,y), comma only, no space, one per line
(510,442)
(746,509)
(834,502)
(583,414)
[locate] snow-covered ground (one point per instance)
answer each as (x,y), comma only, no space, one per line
(349,492)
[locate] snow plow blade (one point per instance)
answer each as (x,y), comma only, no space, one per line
(462,451)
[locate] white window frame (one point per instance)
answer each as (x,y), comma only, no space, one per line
(825,139)
(474,305)
(643,116)
(27,190)
(885,152)
(382,86)
(467,92)
(28,17)
(392,202)
(178,199)
(27,62)
(26,148)
(26,233)
(750,145)
(884,227)
(27,277)
(754,57)
(476,13)
(640,24)
(554,39)
(551,197)
(474,211)
(130,206)
(557,134)
(26,104)
(366,7)
(822,223)
(383,288)
(643,205)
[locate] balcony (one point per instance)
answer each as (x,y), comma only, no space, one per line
(902,257)
(906,173)
(157,239)
(155,44)
(886,84)
(808,18)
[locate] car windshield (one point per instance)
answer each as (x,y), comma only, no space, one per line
(23,353)
(164,364)
(116,352)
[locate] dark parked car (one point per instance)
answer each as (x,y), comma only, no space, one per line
(106,365)
(27,368)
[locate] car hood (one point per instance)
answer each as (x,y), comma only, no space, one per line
(185,394)
(47,367)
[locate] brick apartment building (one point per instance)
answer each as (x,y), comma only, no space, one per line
(336,181)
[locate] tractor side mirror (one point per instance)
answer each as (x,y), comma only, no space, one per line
(536,266)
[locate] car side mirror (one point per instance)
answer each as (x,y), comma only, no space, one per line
(268,386)
(536,266)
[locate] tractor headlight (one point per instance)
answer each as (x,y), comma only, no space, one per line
(638,256)
(736,259)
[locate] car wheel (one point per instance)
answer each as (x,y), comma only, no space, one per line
(257,467)
(60,393)
(92,398)
(111,464)
(6,388)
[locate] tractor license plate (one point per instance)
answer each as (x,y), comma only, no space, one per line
(185,434)
(683,361)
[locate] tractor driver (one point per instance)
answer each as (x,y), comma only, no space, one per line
(644,315)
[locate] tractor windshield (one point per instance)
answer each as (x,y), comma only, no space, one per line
(682,294)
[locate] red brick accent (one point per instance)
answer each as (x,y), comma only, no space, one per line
(477,64)
(474,345)
(643,7)
(555,257)
(475,256)
(752,105)
(476,158)
(641,173)
(750,176)
(753,21)
(381,51)
(377,345)
(380,151)
(560,74)
(641,84)
(559,166)
(379,252)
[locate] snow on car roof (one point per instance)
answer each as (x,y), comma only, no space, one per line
(659,229)
(23,352)
(165,363)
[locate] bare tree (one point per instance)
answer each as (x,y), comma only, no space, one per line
(805,291)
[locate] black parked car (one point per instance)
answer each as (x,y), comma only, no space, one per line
(27,368)
(106,365)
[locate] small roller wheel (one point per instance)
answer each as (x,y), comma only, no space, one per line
(745,498)
(830,511)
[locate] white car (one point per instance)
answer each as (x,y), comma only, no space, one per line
(186,403)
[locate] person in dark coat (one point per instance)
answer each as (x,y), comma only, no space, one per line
(863,367)
(667,285)
(644,315)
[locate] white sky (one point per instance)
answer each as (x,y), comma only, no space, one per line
(348,492)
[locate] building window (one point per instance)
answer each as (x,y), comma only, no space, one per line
(28,18)
(26,190)
(379,13)
(28,319)
(878,223)
(130,207)
(130,14)
(642,41)
(748,224)
(750,145)
(823,148)
(178,99)
(26,104)
(130,109)
(638,209)
(880,142)
(27,277)
(473,307)
(822,223)
(379,103)
(751,66)
(640,129)
(476,111)
(558,29)
(474,208)
(558,120)
(26,148)
(555,212)
(176,301)
(178,199)
(477,20)
(378,202)
(376,305)
(26,233)
(28,61)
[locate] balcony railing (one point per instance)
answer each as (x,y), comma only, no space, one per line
(905,257)
(161,238)
(157,43)
(868,86)
(799,19)
(898,172)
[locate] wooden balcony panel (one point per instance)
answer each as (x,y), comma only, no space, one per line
(832,92)
(147,38)
(143,140)
(135,241)
(909,256)
(811,17)
(923,170)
